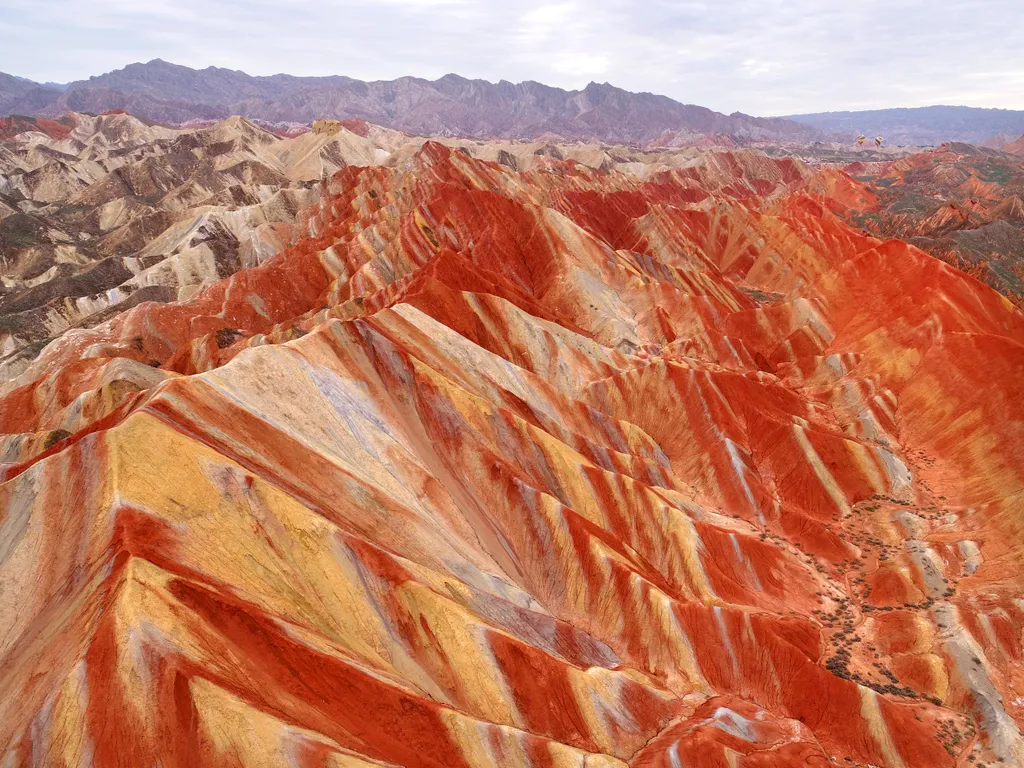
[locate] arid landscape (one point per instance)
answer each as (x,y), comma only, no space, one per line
(961,203)
(339,444)
(101,212)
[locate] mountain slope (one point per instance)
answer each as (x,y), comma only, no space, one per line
(450,106)
(964,204)
(920,125)
(24,96)
(553,467)
(100,212)
(1015,147)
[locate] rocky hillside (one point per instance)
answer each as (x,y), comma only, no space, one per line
(450,106)
(100,212)
(20,95)
(962,203)
(548,465)
(1015,147)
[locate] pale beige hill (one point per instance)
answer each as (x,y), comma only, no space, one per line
(94,136)
(113,132)
(317,155)
(52,182)
(237,129)
(205,185)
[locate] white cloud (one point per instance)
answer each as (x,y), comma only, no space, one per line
(796,56)
(538,24)
(585,64)
(755,68)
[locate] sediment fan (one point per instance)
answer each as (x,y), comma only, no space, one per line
(562,467)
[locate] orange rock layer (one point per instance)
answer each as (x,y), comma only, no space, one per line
(561,468)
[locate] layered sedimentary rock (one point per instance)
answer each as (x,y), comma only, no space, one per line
(98,213)
(551,467)
(961,203)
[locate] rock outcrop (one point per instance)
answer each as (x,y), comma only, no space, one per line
(555,466)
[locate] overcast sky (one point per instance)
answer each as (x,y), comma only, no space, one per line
(746,55)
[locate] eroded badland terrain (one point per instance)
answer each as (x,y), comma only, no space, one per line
(348,448)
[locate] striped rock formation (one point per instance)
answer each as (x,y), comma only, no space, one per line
(962,204)
(561,467)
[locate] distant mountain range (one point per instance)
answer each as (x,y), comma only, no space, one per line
(455,106)
(450,106)
(924,126)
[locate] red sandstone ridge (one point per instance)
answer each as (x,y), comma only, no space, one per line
(54,129)
(564,467)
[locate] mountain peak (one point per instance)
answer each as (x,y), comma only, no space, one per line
(451,105)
